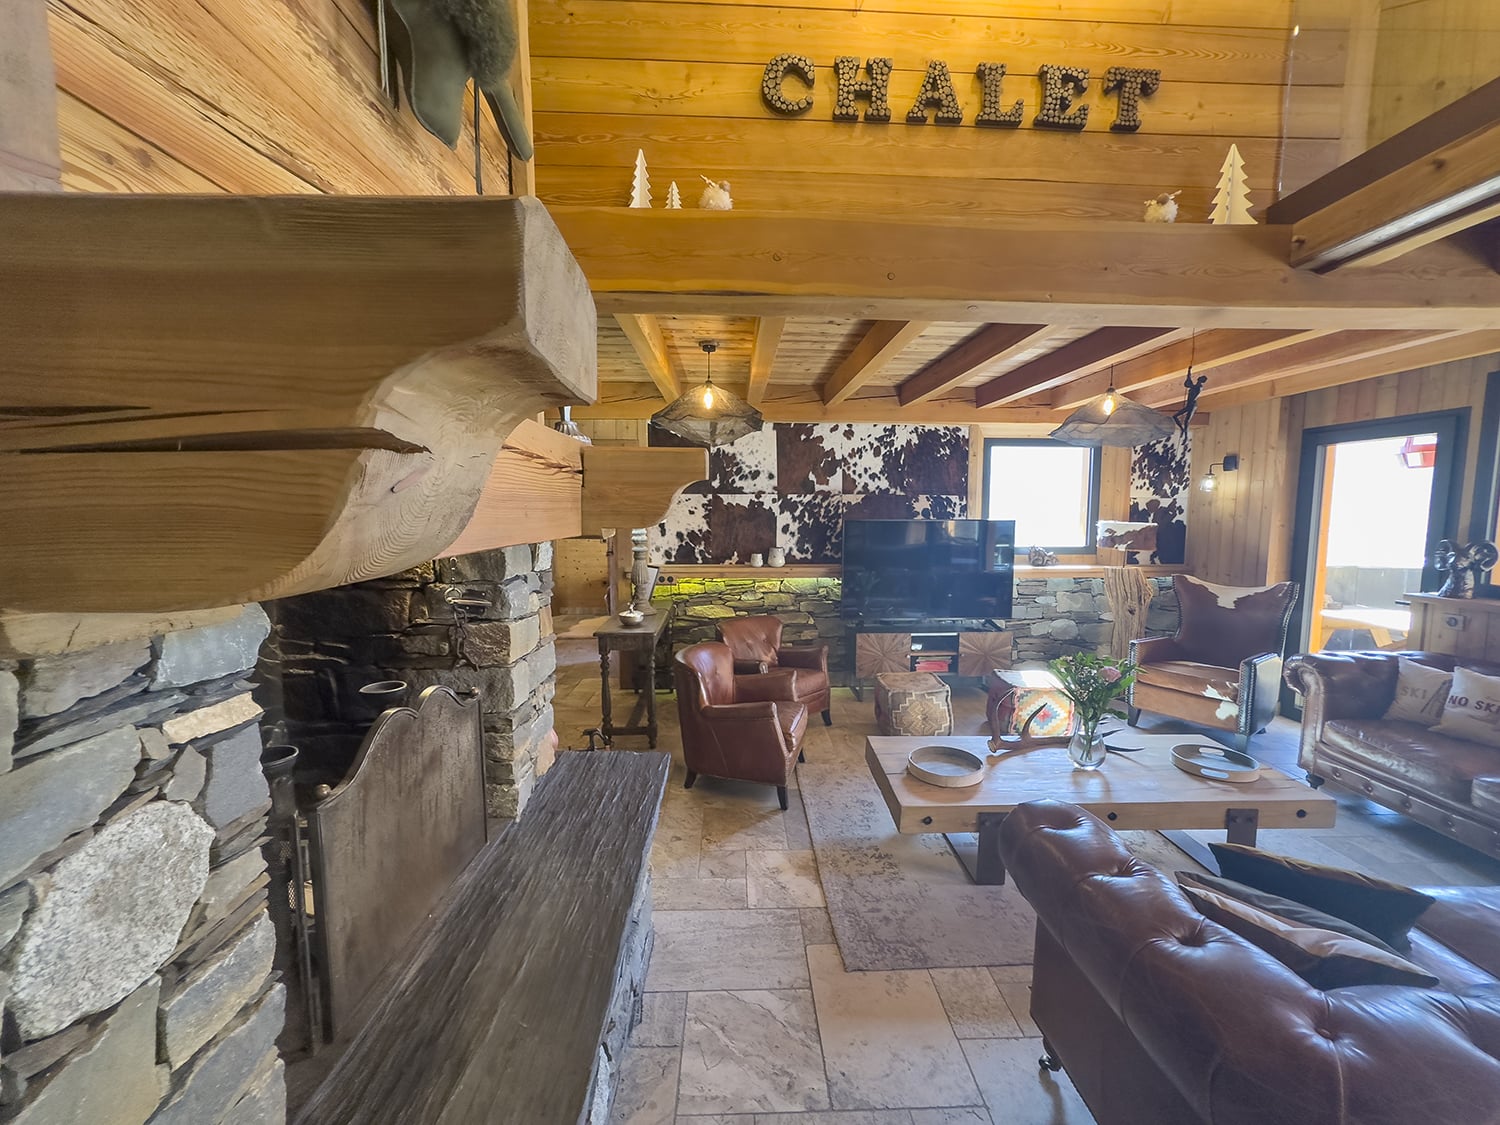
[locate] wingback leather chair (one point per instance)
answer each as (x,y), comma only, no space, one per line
(745,727)
(1223,667)
(756,642)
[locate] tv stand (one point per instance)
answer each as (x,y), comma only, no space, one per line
(959,648)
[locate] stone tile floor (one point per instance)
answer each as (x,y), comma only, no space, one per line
(750,1018)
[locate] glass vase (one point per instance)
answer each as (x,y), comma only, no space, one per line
(1086,747)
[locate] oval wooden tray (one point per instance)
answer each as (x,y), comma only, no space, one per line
(947,766)
(1218,763)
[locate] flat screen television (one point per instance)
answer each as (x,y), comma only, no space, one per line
(900,570)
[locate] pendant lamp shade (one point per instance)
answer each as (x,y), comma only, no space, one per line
(1129,423)
(707,414)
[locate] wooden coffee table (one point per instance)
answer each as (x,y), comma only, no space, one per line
(1140,790)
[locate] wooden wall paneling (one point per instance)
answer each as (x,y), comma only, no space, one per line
(523,172)
(29,156)
(1114,482)
(99,155)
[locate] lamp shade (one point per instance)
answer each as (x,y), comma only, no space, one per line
(1129,423)
(708,415)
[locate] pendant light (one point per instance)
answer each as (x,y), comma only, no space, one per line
(706,414)
(1112,419)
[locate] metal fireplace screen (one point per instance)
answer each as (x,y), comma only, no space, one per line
(388,843)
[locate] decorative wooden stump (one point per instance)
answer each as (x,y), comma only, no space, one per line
(1129,593)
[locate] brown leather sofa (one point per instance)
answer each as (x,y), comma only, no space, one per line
(757,647)
(1222,668)
(1162,1017)
(744,727)
(1449,784)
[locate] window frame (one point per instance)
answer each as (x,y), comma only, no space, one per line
(1095,477)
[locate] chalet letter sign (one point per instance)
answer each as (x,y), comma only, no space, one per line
(1062,88)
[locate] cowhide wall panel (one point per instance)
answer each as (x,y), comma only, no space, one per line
(793,483)
(1160,478)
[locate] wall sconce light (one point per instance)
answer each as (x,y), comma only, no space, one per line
(1230,464)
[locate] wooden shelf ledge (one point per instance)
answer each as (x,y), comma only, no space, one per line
(220,399)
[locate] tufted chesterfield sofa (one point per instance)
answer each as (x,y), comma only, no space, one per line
(1161,1017)
(1449,784)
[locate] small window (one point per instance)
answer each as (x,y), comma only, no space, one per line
(1051,490)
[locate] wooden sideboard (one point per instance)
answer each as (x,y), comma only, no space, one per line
(966,652)
(1468,628)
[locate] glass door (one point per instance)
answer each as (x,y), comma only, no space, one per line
(1374,500)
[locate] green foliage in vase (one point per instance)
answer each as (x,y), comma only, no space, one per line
(1093,683)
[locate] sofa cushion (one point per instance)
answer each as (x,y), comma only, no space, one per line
(1322,958)
(1226,624)
(1421,692)
(1412,756)
(1287,909)
(1486,795)
(1473,708)
(1192,677)
(1467,921)
(1386,910)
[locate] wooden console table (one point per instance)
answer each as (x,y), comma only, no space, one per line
(642,640)
(1468,628)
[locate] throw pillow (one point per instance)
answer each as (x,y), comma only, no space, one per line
(1386,910)
(1322,958)
(1473,708)
(1287,909)
(1421,693)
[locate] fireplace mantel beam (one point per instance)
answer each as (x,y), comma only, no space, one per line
(212,400)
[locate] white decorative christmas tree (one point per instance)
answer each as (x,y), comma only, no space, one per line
(674,200)
(1232,199)
(640,187)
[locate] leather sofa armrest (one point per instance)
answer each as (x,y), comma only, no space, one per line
(1221,1018)
(750,667)
(1260,690)
(1155,650)
(1339,685)
(758,711)
(812,657)
(780,684)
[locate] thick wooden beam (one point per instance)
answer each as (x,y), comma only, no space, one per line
(881,344)
(1312,355)
(1203,353)
(1444,349)
(1448,189)
(805,404)
(768,331)
(976,271)
(629,486)
(532,493)
(247,437)
(29,159)
(1083,355)
(645,336)
(990,344)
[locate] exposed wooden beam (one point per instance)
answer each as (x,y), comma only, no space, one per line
(990,344)
(1095,274)
(645,336)
(881,344)
(768,331)
(629,486)
(1085,354)
(1203,353)
(1444,349)
(1312,355)
(1448,189)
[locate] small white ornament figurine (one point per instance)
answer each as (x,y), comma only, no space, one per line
(640,186)
(1163,209)
(1232,198)
(674,200)
(715,196)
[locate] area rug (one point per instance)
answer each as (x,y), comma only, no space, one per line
(905,902)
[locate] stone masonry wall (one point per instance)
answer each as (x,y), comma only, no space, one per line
(479,621)
(1049,616)
(135,946)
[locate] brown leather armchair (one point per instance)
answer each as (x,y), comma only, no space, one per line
(756,642)
(1222,669)
(745,727)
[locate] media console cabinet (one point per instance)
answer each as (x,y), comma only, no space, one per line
(962,649)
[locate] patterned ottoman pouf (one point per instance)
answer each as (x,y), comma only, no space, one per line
(912,703)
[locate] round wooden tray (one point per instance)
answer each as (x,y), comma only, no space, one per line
(947,766)
(1218,763)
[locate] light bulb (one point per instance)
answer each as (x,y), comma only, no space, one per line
(1209,483)
(1109,402)
(708,397)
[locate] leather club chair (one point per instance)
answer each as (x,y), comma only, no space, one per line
(756,642)
(1222,669)
(746,727)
